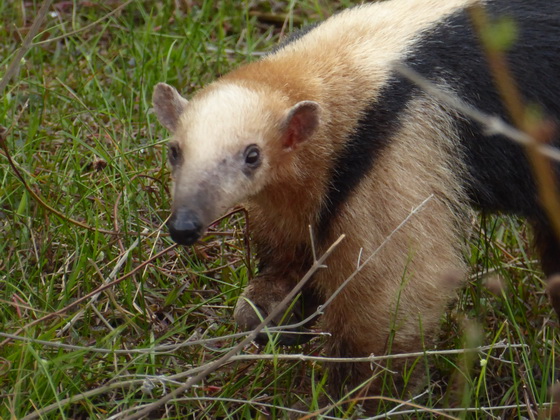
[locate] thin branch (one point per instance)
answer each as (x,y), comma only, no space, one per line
(459,410)
(373,358)
(25,47)
(234,401)
(413,212)
(312,241)
(167,349)
(492,123)
(37,197)
(418,407)
(320,309)
(399,406)
(156,350)
(211,367)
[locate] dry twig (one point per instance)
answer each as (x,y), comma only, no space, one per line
(25,47)
(541,130)
(211,367)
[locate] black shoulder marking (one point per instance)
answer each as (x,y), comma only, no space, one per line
(499,177)
(371,134)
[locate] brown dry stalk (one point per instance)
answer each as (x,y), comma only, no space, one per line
(538,128)
(37,197)
(25,47)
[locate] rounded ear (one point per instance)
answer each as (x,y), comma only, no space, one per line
(300,123)
(169,105)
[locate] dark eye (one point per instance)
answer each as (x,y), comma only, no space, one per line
(174,153)
(252,156)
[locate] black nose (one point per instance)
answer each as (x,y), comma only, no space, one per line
(185,227)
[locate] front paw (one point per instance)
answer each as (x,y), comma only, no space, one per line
(253,307)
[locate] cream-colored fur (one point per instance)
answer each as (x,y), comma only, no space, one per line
(406,287)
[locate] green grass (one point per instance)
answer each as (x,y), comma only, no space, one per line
(82,133)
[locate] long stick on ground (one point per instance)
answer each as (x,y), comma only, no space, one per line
(138,381)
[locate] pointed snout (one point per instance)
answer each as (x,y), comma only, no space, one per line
(185,226)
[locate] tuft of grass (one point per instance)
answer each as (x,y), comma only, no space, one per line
(83,135)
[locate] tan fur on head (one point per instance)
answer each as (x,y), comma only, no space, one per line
(212,134)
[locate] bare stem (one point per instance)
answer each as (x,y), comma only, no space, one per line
(538,128)
(225,358)
(25,47)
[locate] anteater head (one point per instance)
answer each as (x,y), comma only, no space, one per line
(229,143)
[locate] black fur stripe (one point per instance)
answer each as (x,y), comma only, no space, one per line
(372,134)
(499,176)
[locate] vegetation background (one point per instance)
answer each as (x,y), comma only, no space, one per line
(84,205)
